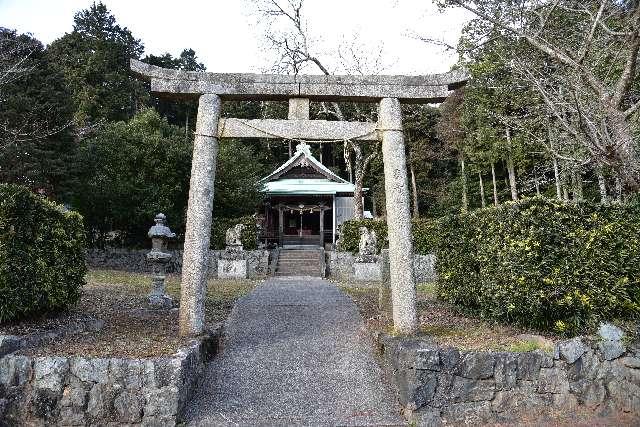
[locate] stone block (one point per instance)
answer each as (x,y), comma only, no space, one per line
(476,365)
(15,370)
(232,268)
(586,366)
(367,271)
(9,344)
(95,405)
(128,407)
(553,380)
(571,350)
(44,404)
(565,402)
(426,417)
(423,389)
(153,421)
(161,402)
(631,362)
(625,395)
(449,359)
(90,370)
(50,373)
(468,390)
(506,370)
(74,395)
(512,403)
(467,414)
(166,372)
(590,393)
(611,349)
(529,364)
(72,417)
(610,332)
(427,359)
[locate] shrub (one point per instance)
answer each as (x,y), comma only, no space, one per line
(424,232)
(425,235)
(542,263)
(219,228)
(42,261)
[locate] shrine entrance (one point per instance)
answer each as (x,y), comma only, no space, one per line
(210,89)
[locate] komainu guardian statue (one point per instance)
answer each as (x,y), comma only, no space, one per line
(233,237)
(368,245)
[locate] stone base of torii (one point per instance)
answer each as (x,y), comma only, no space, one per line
(211,89)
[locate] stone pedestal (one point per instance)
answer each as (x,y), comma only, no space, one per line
(232,268)
(367,271)
(232,263)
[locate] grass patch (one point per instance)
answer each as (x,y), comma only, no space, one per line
(524,346)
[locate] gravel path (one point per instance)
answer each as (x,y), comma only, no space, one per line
(295,353)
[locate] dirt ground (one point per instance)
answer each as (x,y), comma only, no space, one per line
(119,299)
(447,325)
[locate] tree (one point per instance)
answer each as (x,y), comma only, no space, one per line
(582,58)
(133,170)
(450,130)
(36,148)
(293,47)
(94,59)
(424,150)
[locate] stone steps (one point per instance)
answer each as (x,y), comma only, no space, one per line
(299,262)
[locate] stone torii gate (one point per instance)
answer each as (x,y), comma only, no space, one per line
(212,88)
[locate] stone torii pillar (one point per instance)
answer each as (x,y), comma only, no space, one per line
(396,188)
(195,259)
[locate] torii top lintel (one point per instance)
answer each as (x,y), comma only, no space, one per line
(431,88)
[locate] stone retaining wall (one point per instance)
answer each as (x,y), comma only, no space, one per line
(136,261)
(439,385)
(340,266)
(99,391)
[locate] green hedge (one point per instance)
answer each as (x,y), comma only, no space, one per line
(42,259)
(219,228)
(424,234)
(542,263)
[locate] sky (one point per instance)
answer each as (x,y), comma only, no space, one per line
(228,35)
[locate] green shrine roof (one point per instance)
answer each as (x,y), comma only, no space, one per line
(307,186)
(277,183)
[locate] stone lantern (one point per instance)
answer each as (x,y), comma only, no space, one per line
(159,258)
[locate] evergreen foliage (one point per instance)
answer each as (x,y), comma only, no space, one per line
(36,146)
(542,264)
(424,231)
(94,59)
(42,264)
(130,172)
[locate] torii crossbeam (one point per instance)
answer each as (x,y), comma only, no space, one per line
(212,88)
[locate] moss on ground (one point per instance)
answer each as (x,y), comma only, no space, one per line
(130,329)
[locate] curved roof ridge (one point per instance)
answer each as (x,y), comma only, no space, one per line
(303,149)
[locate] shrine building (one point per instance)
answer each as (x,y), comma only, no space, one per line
(305,203)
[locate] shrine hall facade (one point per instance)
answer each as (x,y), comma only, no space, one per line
(305,203)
